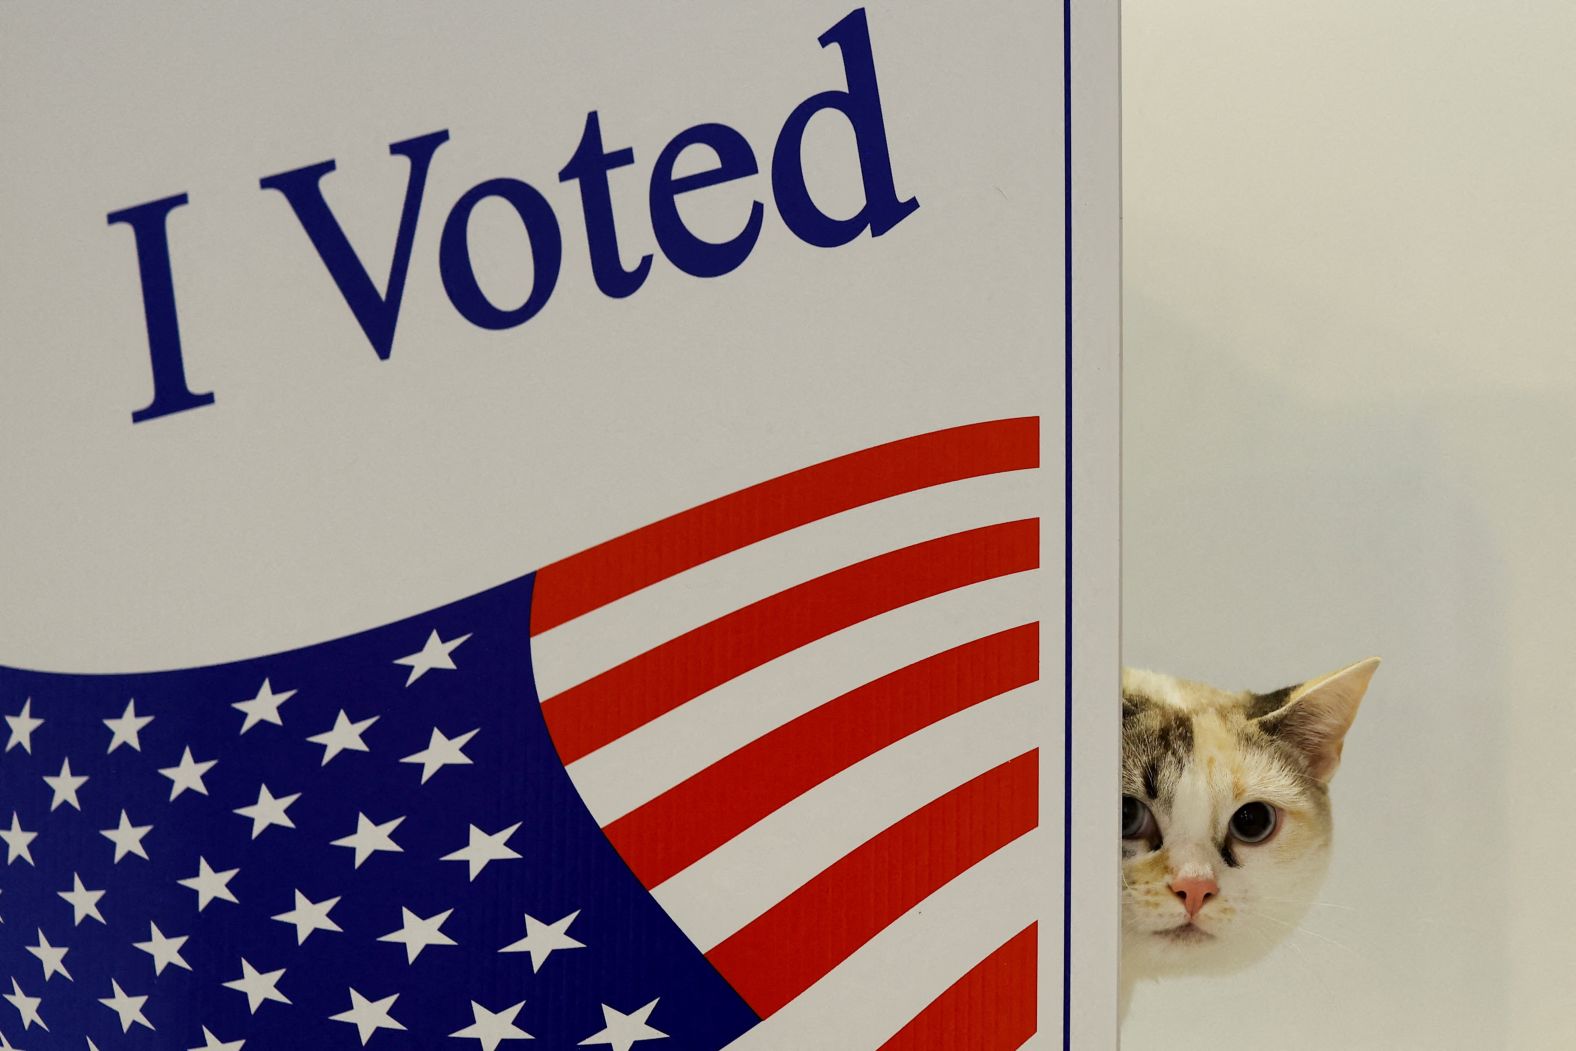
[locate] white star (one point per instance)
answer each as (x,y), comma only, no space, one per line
(26,1006)
(165,951)
(435,654)
(17,840)
(257,986)
(210,884)
(213,1043)
(542,939)
(83,902)
(127,838)
(492,1028)
(264,708)
(268,810)
(128,1007)
(187,774)
(65,785)
(416,933)
(623,1030)
(309,916)
(369,838)
(126,729)
(441,751)
(484,848)
(343,736)
(51,956)
(368,1016)
(22,726)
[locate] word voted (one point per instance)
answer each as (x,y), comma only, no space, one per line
(377,312)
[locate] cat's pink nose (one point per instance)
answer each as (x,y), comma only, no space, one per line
(1194,892)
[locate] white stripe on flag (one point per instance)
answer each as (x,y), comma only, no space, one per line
(605,637)
(645,763)
(740,880)
(857,1006)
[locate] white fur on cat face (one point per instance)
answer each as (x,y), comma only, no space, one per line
(1193,755)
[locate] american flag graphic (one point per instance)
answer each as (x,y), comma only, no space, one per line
(762,774)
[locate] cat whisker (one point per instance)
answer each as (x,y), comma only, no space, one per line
(1304,902)
(1304,930)
(1302,958)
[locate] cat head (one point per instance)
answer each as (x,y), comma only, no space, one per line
(1225,815)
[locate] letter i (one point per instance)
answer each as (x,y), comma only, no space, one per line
(148,225)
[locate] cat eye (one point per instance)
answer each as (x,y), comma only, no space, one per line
(1138,822)
(1254,823)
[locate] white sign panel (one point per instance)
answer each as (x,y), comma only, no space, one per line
(593,525)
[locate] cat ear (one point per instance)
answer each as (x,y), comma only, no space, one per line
(1316,715)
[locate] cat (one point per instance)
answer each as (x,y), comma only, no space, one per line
(1226,822)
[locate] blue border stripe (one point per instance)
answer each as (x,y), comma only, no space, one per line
(1067,613)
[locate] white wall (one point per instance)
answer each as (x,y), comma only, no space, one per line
(1350,428)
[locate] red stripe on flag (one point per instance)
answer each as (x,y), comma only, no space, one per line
(594,577)
(604,708)
(994,1004)
(788,948)
(690,820)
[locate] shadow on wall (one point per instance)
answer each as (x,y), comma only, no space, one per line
(1269,536)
